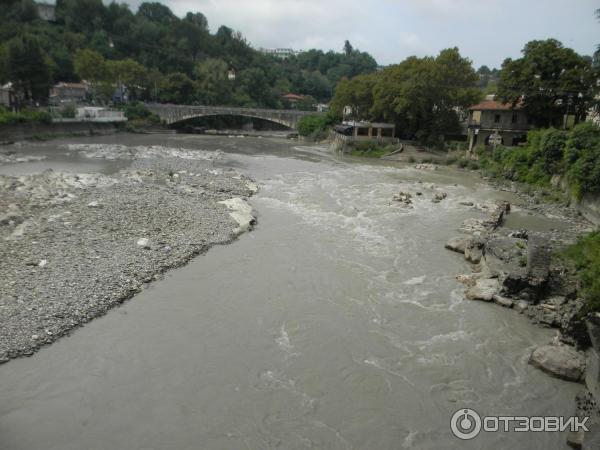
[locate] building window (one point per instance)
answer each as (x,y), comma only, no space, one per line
(497,118)
(363,131)
(515,117)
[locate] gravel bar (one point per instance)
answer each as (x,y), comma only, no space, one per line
(74,245)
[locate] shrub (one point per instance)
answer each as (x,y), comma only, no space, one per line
(7,117)
(462,163)
(313,124)
(138,112)
(472,164)
(585,256)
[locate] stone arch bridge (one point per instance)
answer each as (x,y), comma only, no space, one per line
(171,114)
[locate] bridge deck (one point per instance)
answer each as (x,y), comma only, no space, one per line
(176,113)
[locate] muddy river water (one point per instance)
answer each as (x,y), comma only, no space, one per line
(336,324)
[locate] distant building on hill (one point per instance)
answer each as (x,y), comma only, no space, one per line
(292,100)
(46,10)
(68,93)
(280,52)
(494,123)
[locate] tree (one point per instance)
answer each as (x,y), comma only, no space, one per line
(91,66)
(549,81)
(348,49)
(420,95)
(28,68)
(81,16)
(197,19)
(357,94)
(3,64)
(213,85)
(159,40)
(128,73)
(156,12)
(177,88)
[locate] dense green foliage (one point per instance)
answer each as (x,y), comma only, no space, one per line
(420,95)
(574,155)
(157,56)
(550,80)
(315,125)
(585,255)
(8,117)
(137,111)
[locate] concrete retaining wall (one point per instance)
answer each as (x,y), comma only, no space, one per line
(589,205)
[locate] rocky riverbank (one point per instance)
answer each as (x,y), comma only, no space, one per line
(518,270)
(75,245)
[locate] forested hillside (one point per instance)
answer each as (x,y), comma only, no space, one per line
(158,55)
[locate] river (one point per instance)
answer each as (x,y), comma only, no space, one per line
(337,323)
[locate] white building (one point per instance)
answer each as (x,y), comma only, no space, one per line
(280,52)
(99,114)
(47,10)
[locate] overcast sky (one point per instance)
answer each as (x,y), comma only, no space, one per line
(487,31)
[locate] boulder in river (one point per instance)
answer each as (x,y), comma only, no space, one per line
(561,361)
(438,197)
(503,301)
(521,306)
(457,244)
(474,251)
(403,197)
(484,289)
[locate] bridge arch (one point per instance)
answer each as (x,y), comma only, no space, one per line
(171,114)
(183,118)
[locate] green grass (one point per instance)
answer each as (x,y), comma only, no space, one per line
(585,256)
(371,149)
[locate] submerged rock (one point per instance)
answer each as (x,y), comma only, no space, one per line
(561,361)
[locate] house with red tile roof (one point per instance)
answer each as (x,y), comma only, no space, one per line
(493,123)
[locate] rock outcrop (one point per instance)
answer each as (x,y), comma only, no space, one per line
(561,361)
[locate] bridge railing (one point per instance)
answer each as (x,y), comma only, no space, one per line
(235,109)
